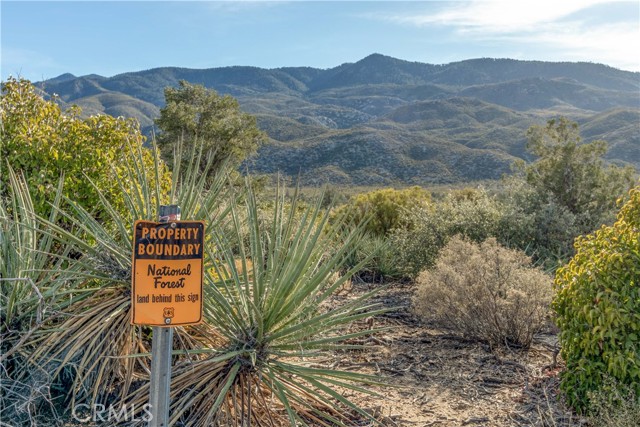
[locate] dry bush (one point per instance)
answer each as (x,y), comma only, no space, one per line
(486,292)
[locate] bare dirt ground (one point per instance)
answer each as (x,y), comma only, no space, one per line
(440,379)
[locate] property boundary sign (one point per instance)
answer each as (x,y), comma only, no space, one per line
(167,273)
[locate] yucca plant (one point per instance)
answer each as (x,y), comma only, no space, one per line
(91,341)
(24,252)
(267,323)
(268,301)
(30,288)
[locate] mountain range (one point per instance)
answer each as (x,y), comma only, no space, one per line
(385,121)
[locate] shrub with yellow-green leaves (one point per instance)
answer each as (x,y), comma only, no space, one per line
(385,212)
(385,209)
(598,308)
(42,142)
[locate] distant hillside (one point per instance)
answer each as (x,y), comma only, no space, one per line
(386,121)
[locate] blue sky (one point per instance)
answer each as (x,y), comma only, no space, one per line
(41,40)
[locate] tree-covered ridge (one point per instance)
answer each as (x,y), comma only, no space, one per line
(392,113)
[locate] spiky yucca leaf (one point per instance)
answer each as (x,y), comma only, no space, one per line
(30,279)
(30,289)
(268,301)
(92,337)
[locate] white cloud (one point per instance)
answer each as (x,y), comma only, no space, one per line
(616,45)
(499,16)
(542,24)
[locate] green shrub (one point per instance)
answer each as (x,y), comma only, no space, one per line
(485,292)
(573,174)
(536,223)
(43,143)
(418,249)
(472,213)
(385,209)
(598,307)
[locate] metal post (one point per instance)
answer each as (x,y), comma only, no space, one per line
(161,348)
(160,385)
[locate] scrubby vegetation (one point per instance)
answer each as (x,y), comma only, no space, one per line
(614,404)
(472,213)
(485,291)
(480,260)
(574,175)
(385,210)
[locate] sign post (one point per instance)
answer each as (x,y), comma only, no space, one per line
(160,381)
(166,292)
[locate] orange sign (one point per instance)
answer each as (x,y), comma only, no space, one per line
(167,273)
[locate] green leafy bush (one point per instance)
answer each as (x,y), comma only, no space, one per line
(43,143)
(195,115)
(598,307)
(378,260)
(472,213)
(536,223)
(517,214)
(568,190)
(485,292)
(384,209)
